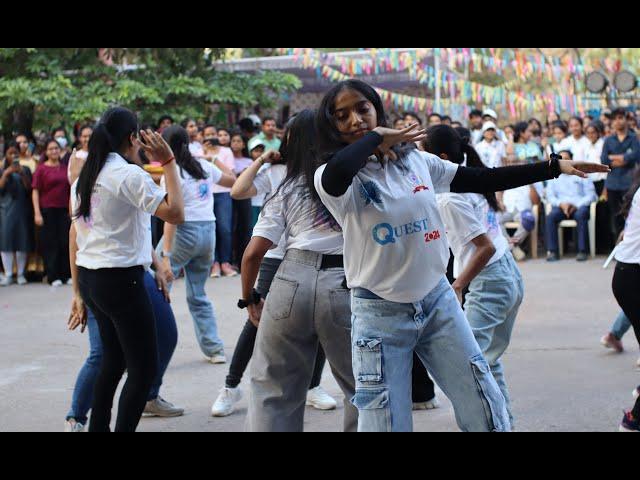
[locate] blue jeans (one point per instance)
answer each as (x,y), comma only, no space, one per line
(167,336)
(581,216)
(223,209)
(384,336)
(193,249)
(621,326)
(492,304)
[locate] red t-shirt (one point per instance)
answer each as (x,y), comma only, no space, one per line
(52,185)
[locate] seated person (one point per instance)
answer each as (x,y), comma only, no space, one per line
(571,198)
(518,204)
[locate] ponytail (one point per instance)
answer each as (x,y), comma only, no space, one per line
(178,139)
(114,129)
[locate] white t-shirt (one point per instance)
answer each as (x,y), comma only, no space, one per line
(593,154)
(305,224)
(198,194)
(267,182)
(577,147)
(258,200)
(491,153)
(395,241)
(518,199)
(118,232)
(241,164)
(629,248)
(196,149)
(467,216)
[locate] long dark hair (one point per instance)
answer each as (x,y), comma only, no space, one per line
(628,198)
(178,139)
(329,139)
(110,135)
(444,139)
(518,130)
(298,151)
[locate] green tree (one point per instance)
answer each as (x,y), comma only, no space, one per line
(42,87)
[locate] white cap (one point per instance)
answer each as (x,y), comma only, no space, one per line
(255,142)
(488,125)
(491,113)
(256,119)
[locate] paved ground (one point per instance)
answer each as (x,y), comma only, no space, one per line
(561,379)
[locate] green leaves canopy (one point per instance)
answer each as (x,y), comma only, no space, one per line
(41,87)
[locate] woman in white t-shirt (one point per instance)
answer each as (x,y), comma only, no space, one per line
(191,245)
(483,260)
(256,180)
(112,204)
(396,254)
(307,303)
(626,280)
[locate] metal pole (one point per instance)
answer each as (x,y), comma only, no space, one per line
(437,69)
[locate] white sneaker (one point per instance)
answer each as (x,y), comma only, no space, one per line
(71,426)
(636,393)
(226,402)
(217,358)
(22,280)
(6,281)
(70,282)
(56,283)
(159,407)
(319,399)
(428,405)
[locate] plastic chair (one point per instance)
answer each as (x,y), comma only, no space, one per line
(533,235)
(574,224)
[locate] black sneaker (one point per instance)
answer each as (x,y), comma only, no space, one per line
(552,257)
(629,424)
(582,257)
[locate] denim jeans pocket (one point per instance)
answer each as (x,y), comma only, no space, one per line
(492,398)
(373,409)
(280,299)
(340,307)
(368,360)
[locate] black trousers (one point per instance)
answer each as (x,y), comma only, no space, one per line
(118,299)
(244,348)
(615,206)
(626,282)
(55,243)
(242,215)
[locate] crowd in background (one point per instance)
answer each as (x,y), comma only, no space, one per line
(34,186)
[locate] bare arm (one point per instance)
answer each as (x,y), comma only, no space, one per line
(172,208)
(484,252)
(37,214)
(244,187)
(78,314)
(253,255)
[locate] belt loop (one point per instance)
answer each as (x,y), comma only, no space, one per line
(319,261)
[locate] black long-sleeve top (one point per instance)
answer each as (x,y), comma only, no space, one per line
(345,165)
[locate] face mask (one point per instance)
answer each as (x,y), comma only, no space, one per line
(62,141)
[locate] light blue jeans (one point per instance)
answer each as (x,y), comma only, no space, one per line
(193,249)
(621,326)
(491,305)
(384,336)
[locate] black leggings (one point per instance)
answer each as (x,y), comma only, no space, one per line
(244,348)
(626,280)
(118,299)
(242,216)
(55,243)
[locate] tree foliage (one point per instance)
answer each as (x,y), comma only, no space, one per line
(41,87)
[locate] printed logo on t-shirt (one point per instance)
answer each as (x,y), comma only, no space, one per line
(385,233)
(370,191)
(417,185)
(203,190)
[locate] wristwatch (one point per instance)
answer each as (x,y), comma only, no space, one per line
(164,254)
(242,303)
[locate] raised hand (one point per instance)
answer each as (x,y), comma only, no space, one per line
(582,169)
(155,147)
(391,137)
